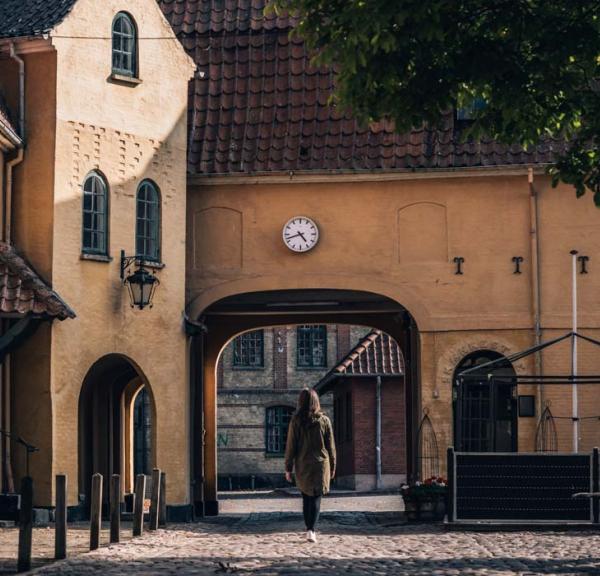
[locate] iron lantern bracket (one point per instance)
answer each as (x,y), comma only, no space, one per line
(126,262)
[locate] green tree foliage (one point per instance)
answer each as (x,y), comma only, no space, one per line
(535,64)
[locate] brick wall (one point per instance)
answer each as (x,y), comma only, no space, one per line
(357,456)
(245,394)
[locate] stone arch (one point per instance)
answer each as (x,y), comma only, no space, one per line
(405,295)
(451,359)
(239,311)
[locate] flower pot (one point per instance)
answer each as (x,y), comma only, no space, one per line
(411,509)
(424,507)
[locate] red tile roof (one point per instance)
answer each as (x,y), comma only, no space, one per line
(258,106)
(23,292)
(377,354)
(31,17)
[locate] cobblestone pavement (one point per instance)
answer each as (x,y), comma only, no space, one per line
(268,543)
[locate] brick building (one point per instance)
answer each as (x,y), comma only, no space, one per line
(369,410)
(259,376)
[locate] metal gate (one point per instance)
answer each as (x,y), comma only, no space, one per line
(522,487)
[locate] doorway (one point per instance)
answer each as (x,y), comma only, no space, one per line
(116,415)
(485,410)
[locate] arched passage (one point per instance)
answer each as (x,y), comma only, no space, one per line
(224,319)
(114,392)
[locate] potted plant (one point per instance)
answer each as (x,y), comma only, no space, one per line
(425,500)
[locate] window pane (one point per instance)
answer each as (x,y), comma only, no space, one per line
(95,214)
(123,45)
(248,350)
(148,222)
(312,346)
(277,423)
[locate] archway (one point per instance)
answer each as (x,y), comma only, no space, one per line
(224,319)
(485,411)
(115,401)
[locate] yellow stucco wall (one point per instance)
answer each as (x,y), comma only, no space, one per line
(129,133)
(398,238)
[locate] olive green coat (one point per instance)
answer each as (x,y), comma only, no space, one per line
(310,449)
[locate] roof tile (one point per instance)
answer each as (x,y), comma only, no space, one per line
(22,291)
(268,93)
(31,17)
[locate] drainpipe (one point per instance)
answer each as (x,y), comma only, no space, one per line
(5,384)
(536,283)
(7,223)
(378,434)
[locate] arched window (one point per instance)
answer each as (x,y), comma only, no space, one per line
(277,422)
(95,215)
(147,234)
(142,434)
(485,409)
(124,45)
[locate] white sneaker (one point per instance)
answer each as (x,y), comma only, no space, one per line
(311,536)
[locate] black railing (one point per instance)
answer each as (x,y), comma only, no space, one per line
(522,487)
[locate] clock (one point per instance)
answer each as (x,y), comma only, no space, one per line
(300,234)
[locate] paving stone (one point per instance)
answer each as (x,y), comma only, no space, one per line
(264,544)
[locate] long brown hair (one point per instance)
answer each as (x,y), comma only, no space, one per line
(308,405)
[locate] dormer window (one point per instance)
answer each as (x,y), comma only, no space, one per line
(124,46)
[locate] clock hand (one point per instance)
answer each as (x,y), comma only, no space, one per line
(301,236)
(290,237)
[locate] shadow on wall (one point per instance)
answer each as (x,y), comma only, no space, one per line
(105,323)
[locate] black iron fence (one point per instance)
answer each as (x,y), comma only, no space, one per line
(523,487)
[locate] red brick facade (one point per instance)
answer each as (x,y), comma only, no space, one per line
(356,451)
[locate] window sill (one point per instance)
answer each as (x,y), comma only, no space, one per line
(150,264)
(312,368)
(123,79)
(274,454)
(247,368)
(95,257)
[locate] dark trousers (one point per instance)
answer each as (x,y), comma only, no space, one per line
(311,506)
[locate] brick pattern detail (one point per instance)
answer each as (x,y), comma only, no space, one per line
(280,358)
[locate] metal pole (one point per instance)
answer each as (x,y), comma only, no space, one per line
(378,434)
(574,356)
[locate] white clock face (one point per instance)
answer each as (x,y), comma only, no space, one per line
(300,234)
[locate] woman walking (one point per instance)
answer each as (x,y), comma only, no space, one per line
(310,449)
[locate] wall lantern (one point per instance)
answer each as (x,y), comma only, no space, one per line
(141,285)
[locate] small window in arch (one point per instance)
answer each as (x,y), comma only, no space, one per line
(95,215)
(124,45)
(147,234)
(278,420)
(248,350)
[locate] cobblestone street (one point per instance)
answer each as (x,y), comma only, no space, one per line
(252,538)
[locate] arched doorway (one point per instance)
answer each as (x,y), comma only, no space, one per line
(233,315)
(485,410)
(116,415)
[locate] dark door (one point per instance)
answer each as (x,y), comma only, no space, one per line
(485,409)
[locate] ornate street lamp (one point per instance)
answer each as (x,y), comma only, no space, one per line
(141,285)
